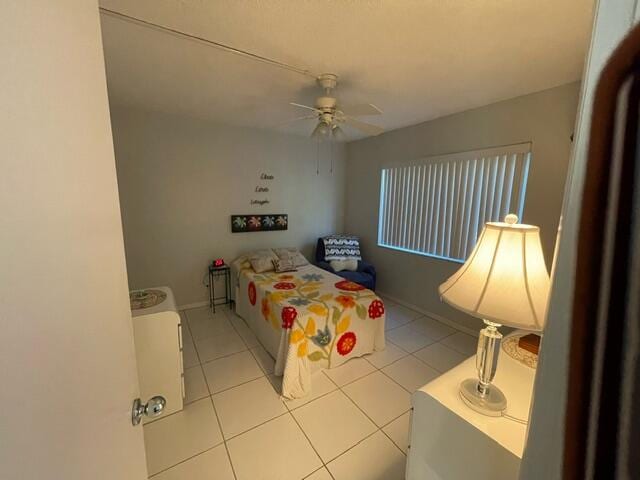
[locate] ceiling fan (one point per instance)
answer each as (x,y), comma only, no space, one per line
(330,114)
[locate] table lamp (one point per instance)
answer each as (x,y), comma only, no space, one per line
(505,282)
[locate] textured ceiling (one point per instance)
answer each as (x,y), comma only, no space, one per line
(416,60)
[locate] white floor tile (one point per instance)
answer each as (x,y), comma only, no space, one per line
(247,335)
(390,323)
(322,474)
(333,424)
(210,326)
(246,406)
(211,348)
(431,328)
(223,307)
(408,339)
(440,357)
(200,313)
(173,439)
(276,450)
(320,385)
(350,371)
(230,371)
(379,397)
(387,356)
(266,361)
(194,384)
(398,431)
(397,315)
(376,458)
(189,355)
(211,465)
(411,373)
(462,343)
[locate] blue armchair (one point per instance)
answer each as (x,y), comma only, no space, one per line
(365,275)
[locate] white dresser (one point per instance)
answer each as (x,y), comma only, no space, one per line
(449,441)
(157,333)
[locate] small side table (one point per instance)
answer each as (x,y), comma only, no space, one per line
(450,441)
(215,272)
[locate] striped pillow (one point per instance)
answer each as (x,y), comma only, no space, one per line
(341,247)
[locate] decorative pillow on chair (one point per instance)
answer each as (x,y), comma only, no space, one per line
(294,254)
(341,247)
(350,264)
(284,264)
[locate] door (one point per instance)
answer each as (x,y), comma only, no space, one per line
(67,364)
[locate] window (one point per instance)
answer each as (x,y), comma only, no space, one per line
(439,205)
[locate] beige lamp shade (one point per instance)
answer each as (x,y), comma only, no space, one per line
(505,279)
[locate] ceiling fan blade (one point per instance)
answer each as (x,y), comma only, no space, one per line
(304,106)
(364,127)
(297,119)
(363,109)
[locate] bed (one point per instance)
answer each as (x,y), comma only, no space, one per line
(307,320)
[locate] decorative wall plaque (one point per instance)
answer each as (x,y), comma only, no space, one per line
(262,189)
(259,223)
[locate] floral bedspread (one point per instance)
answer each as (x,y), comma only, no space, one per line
(309,319)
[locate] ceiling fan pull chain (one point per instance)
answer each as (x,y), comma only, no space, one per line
(318,156)
(331,151)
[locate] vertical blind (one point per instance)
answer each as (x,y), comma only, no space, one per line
(439,205)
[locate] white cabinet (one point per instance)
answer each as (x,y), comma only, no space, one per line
(449,441)
(157,332)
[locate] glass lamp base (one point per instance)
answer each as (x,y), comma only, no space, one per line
(493,403)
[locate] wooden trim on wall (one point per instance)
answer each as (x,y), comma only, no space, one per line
(594,334)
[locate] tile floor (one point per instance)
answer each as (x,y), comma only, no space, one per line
(353,426)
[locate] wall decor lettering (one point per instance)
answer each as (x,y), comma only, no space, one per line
(266,176)
(259,223)
(262,189)
(259,202)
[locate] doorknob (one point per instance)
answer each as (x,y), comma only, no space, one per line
(153,408)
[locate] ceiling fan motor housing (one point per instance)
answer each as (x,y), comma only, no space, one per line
(327,81)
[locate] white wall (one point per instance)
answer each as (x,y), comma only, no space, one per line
(545,118)
(180,179)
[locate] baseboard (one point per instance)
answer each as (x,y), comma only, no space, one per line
(435,316)
(204,303)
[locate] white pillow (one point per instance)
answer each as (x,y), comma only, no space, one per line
(262,261)
(350,264)
(261,264)
(284,264)
(293,253)
(265,252)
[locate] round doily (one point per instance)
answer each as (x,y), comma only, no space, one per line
(511,348)
(146,298)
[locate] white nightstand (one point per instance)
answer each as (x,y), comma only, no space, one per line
(449,441)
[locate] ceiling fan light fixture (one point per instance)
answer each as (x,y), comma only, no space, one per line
(338,134)
(322,130)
